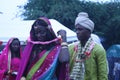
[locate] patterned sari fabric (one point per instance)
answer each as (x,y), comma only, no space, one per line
(45,67)
(8,64)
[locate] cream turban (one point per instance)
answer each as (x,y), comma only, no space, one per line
(83,20)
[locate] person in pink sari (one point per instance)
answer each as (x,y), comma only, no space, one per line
(10,60)
(45,56)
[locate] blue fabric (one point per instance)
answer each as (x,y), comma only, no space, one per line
(50,73)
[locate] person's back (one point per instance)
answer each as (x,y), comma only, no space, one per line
(116,70)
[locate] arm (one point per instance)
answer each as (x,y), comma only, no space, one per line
(64,57)
(64,53)
(101,64)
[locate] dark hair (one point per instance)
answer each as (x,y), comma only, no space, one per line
(18,52)
(40,22)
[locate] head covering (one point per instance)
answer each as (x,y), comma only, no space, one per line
(4,56)
(83,20)
(49,27)
(7,47)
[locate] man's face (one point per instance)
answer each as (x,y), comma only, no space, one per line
(82,32)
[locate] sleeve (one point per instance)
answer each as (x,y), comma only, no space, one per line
(101,64)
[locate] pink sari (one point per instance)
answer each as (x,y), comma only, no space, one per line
(46,67)
(14,62)
(53,61)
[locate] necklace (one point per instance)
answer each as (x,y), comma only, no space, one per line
(84,52)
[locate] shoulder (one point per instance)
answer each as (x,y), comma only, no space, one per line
(73,45)
(98,47)
(99,50)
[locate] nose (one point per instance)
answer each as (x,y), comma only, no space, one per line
(16,46)
(38,35)
(77,31)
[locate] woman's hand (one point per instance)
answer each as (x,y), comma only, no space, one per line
(23,78)
(62,33)
(7,72)
(64,53)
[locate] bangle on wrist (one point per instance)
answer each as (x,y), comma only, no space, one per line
(64,44)
(63,47)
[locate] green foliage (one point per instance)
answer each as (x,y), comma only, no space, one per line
(65,13)
(113,31)
(106,16)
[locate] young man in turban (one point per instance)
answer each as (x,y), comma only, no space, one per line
(88,59)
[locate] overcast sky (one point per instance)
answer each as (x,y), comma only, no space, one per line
(9,9)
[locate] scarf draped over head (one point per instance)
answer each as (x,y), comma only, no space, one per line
(46,20)
(7,47)
(49,25)
(84,21)
(28,49)
(4,56)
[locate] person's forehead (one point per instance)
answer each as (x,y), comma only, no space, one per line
(15,41)
(79,26)
(39,27)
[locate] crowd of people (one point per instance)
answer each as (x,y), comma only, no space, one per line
(48,57)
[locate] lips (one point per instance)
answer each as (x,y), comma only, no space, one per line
(40,39)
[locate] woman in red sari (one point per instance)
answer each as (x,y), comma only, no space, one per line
(10,59)
(44,57)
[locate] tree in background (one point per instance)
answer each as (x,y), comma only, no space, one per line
(105,15)
(64,11)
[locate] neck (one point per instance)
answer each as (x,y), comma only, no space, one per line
(15,54)
(83,42)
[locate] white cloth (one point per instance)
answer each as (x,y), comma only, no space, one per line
(84,21)
(96,39)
